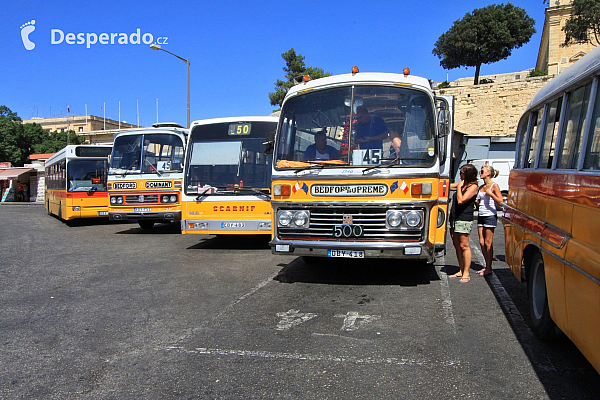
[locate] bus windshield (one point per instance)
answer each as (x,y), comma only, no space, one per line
(156,153)
(228,156)
(86,175)
(386,123)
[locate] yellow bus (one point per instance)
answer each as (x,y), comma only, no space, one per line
(146,174)
(361,168)
(227,181)
(76,182)
(552,214)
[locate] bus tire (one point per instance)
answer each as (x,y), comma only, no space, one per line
(543,325)
(146,223)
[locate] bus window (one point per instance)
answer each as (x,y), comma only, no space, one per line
(575,120)
(529,159)
(592,155)
(522,137)
(550,134)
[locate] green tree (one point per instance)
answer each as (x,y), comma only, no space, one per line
(483,36)
(54,141)
(584,23)
(294,67)
(18,141)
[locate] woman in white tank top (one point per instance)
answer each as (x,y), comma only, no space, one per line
(487,220)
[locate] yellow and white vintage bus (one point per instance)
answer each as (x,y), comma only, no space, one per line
(76,182)
(552,214)
(227,181)
(146,174)
(361,168)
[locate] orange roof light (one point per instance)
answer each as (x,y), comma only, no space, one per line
(406,71)
(306,78)
(354,70)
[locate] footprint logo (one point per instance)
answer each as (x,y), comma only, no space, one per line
(26,29)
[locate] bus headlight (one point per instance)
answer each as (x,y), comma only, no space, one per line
(284,218)
(413,219)
(116,200)
(393,218)
(173,198)
(164,199)
(301,219)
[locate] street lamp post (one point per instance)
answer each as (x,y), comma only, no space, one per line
(187,61)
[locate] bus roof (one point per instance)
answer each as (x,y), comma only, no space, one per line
(363,78)
(234,119)
(69,150)
(586,67)
(171,130)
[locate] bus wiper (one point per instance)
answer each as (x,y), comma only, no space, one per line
(264,192)
(320,164)
(385,164)
(311,166)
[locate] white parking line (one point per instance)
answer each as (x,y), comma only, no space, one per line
(312,357)
(446,299)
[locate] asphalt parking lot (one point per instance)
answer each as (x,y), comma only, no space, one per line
(101,310)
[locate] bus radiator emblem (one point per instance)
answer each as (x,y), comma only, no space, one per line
(141,198)
(347,219)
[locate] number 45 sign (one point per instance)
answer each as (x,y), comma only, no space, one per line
(366,157)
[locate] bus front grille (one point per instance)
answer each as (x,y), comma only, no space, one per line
(372,221)
(141,199)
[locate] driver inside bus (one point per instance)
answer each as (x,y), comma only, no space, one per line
(320,150)
(371,130)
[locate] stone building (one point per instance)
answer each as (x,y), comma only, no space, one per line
(552,57)
(95,130)
(493,109)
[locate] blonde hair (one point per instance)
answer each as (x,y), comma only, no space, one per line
(493,172)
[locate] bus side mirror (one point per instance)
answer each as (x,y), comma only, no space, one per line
(269,143)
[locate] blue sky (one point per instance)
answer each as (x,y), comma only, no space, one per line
(234,48)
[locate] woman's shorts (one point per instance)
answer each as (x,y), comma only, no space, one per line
(488,221)
(461,226)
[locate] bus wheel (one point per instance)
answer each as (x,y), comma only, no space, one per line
(543,326)
(146,223)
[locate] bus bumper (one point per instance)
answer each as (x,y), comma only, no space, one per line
(218,227)
(171,216)
(408,251)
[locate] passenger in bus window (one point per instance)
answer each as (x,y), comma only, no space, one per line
(487,219)
(461,219)
(371,130)
(320,150)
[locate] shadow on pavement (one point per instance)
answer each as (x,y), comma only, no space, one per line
(357,272)
(233,242)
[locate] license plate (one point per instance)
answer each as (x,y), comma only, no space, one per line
(141,209)
(346,253)
(102,213)
(233,224)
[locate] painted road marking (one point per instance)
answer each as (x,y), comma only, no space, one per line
(313,357)
(292,318)
(354,321)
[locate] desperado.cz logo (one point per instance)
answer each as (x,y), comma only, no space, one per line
(58,36)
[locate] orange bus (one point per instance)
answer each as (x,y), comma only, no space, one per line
(76,182)
(552,214)
(228,177)
(361,168)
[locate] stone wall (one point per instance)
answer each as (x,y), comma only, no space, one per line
(492,109)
